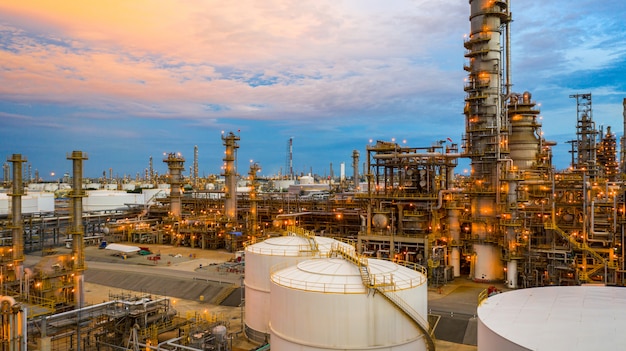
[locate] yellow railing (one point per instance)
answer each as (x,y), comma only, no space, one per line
(415,317)
(482,296)
(220,297)
(584,276)
(309,235)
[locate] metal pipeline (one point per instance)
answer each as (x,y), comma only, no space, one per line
(416,155)
(440,196)
(592,230)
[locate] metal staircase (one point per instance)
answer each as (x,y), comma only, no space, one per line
(386,289)
(308,235)
(408,311)
(365,275)
(584,276)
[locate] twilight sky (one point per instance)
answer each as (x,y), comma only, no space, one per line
(124,80)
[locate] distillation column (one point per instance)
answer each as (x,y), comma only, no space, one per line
(586,135)
(254,201)
(77,231)
(175,165)
(16,212)
(355,170)
(195,167)
(486,143)
(525,147)
(230,175)
(623,141)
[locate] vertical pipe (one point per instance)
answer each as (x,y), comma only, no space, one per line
(508,82)
(254,168)
(16,211)
(355,170)
(195,166)
(623,140)
(76,230)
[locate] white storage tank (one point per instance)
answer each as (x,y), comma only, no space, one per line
(322,304)
(106,200)
(572,318)
(260,257)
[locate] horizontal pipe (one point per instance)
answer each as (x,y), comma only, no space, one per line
(416,155)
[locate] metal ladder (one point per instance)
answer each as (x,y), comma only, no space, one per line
(582,247)
(386,290)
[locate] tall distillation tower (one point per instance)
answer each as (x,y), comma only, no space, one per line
(230,175)
(486,131)
(623,140)
(175,165)
(584,148)
(195,167)
(355,170)
(16,212)
(254,200)
(76,230)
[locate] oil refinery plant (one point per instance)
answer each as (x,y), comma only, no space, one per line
(406,219)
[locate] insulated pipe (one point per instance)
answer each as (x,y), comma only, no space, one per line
(440,196)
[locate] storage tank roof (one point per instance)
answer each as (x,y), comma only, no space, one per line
(289,245)
(559,318)
(337,275)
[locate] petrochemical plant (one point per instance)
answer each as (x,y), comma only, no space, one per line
(369,243)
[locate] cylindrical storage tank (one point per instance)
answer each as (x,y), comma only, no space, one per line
(322,304)
(511,274)
(488,265)
(555,318)
(260,257)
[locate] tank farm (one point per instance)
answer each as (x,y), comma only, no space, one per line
(406,219)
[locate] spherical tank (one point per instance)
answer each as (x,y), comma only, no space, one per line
(260,257)
(557,318)
(322,304)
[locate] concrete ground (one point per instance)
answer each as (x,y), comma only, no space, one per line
(192,277)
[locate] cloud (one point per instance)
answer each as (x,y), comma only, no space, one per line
(357,68)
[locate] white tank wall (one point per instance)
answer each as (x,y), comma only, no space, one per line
(149,195)
(260,258)
(32,202)
(308,319)
(488,264)
(257,306)
(555,318)
(492,341)
(103,200)
(511,274)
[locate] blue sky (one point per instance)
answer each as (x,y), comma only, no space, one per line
(124,81)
